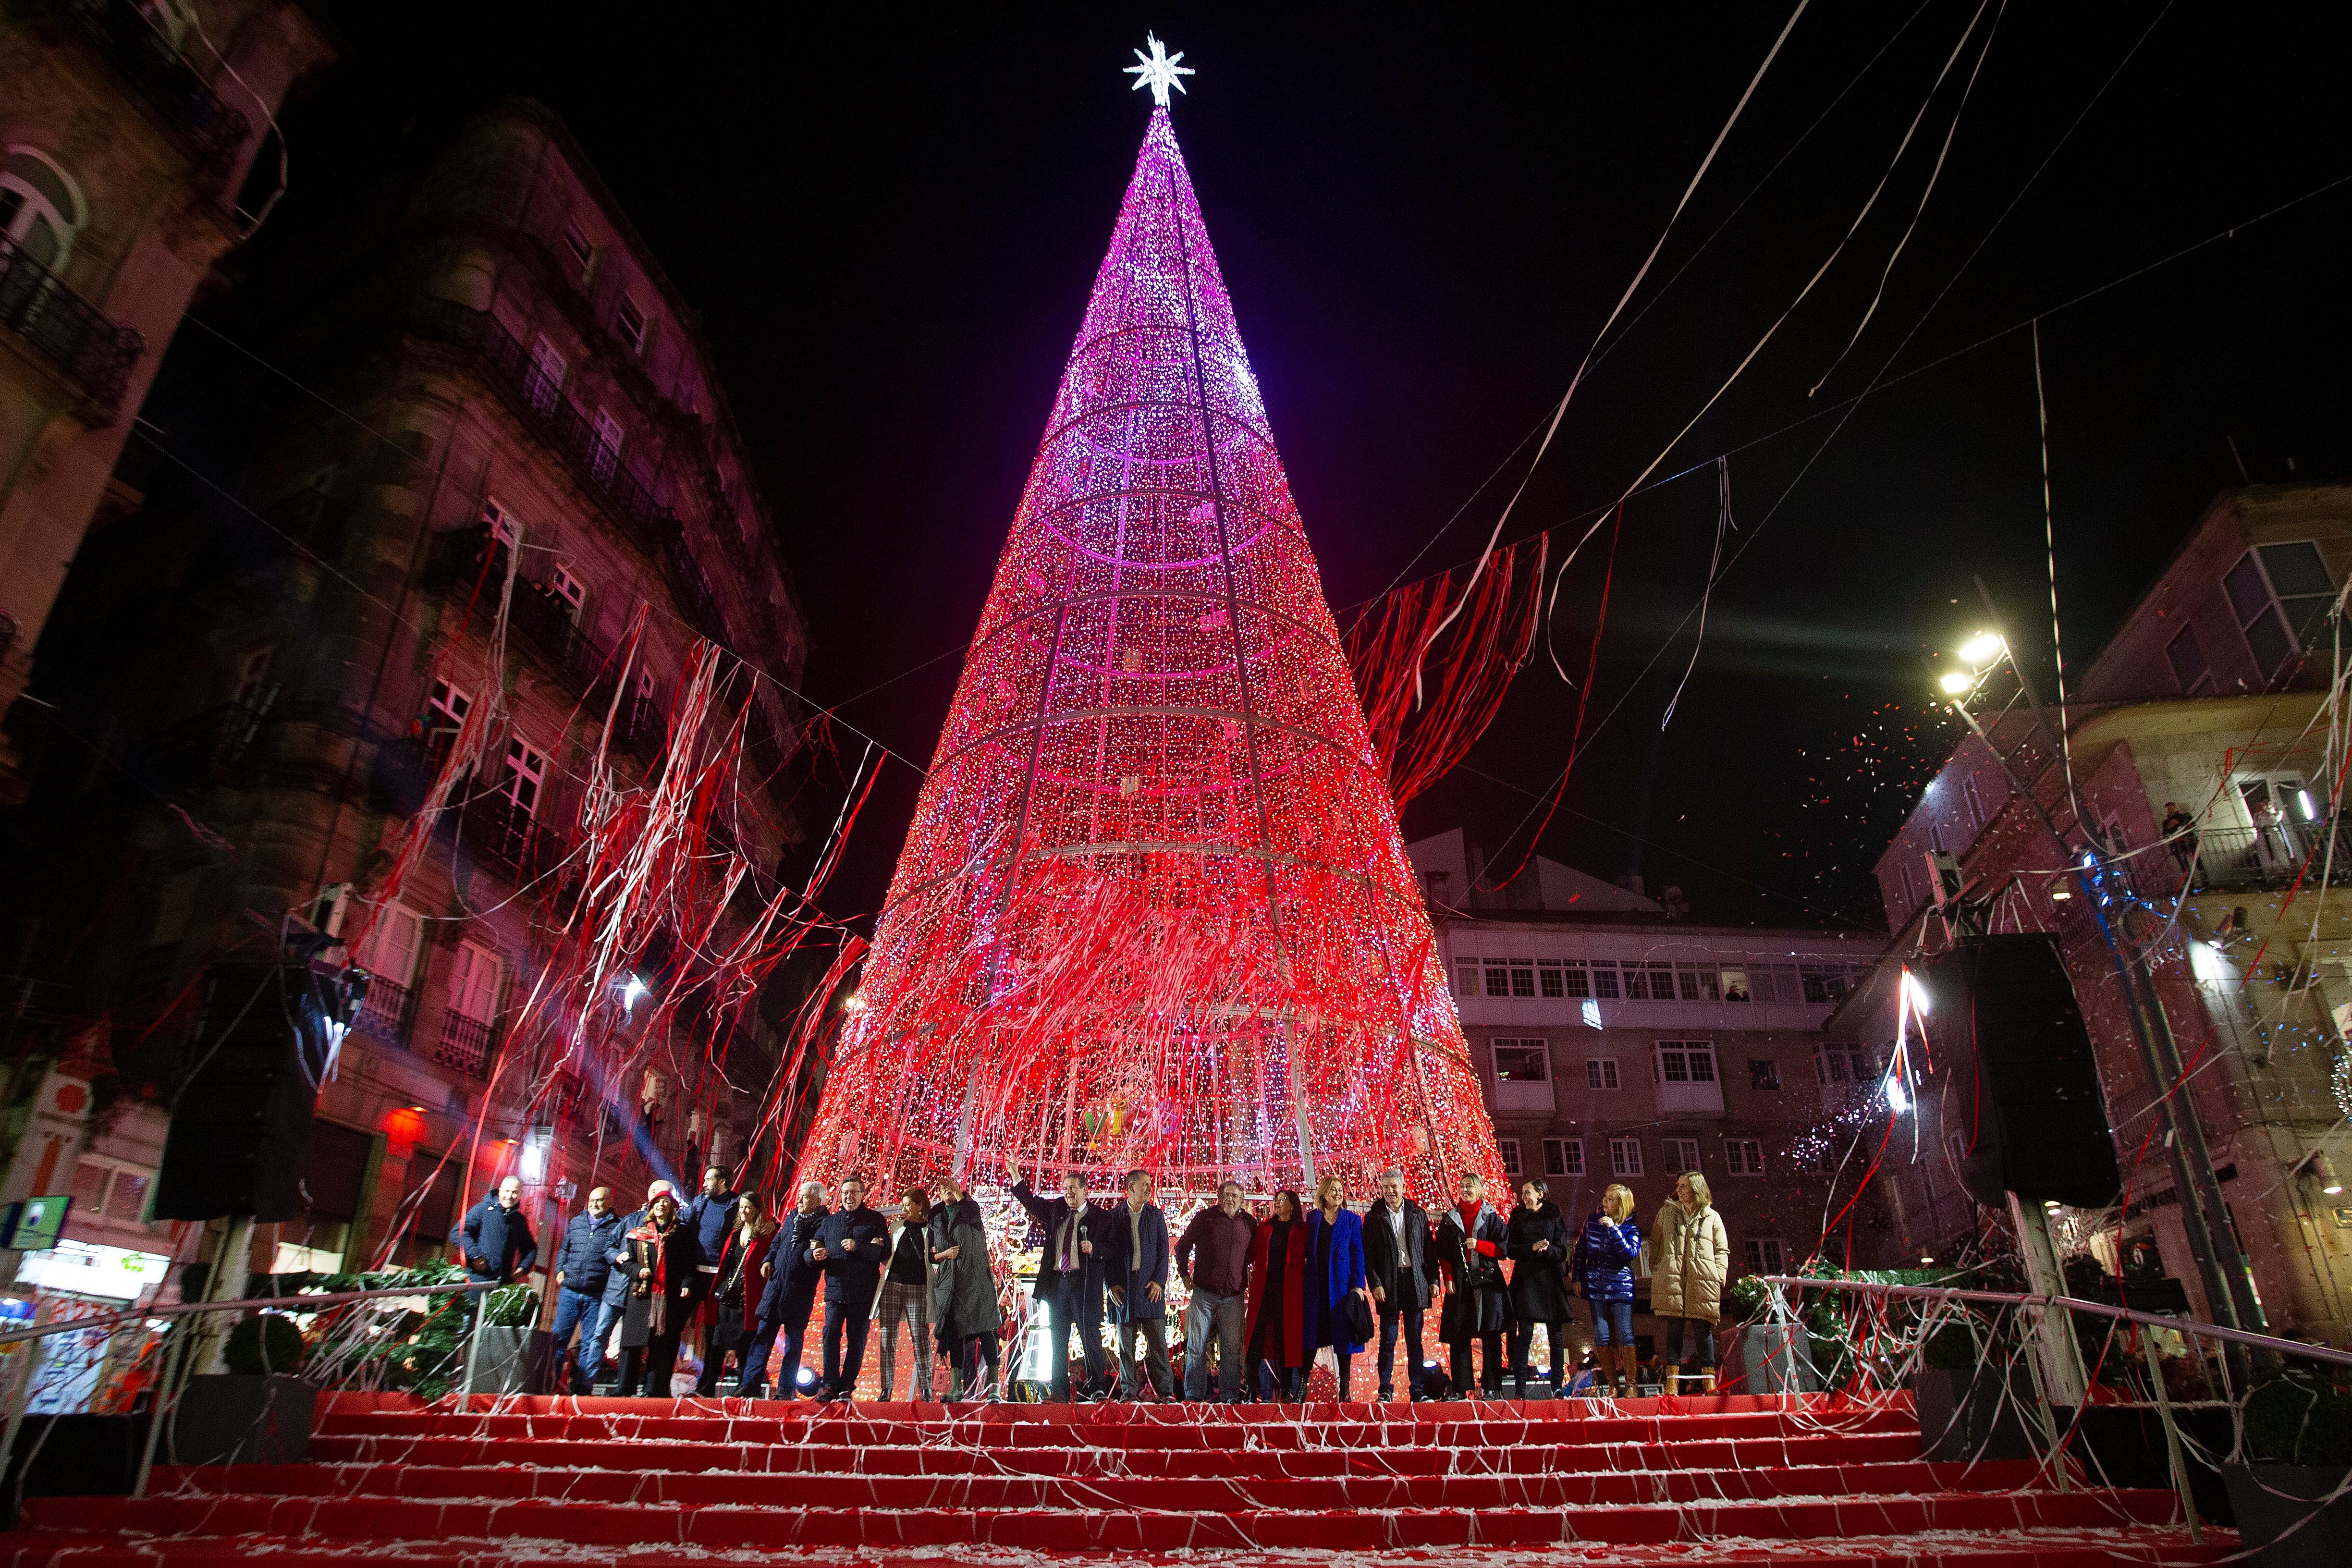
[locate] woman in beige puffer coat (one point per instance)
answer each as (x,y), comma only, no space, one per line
(1689,1258)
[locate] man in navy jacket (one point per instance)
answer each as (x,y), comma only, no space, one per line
(494,1238)
(852,1243)
(584,1268)
(710,1216)
(1137,1277)
(1069,1273)
(790,1297)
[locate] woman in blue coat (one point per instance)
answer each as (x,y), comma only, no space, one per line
(1335,1263)
(1604,1276)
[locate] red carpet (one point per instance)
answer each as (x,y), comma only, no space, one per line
(1728,1479)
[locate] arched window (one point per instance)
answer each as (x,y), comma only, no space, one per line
(38,209)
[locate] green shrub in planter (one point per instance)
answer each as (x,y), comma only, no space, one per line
(511,1307)
(1744,1301)
(263,1343)
(2299,1420)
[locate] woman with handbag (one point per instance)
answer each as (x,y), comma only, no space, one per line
(661,1261)
(1538,1247)
(732,1309)
(1341,1306)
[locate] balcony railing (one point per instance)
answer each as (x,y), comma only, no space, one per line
(120,33)
(208,748)
(509,839)
(467,1044)
(388,1012)
(2228,858)
(66,330)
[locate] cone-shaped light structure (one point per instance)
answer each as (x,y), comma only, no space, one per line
(1154,909)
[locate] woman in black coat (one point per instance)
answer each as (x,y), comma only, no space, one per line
(1539,1249)
(660,1258)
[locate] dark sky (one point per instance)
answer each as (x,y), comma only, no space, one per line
(889,224)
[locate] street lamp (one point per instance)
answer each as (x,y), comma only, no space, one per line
(1981,649)
(1957,681)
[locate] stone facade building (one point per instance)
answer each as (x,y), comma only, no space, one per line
(127,131)
(1618,1043)
(2211,699)
(472,361)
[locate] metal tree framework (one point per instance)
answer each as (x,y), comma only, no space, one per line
(1154,909)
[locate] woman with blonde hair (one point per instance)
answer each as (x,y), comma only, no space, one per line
(1690,1257)
(1604,1270)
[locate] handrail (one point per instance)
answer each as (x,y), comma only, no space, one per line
(2073,1304)
(76,1325)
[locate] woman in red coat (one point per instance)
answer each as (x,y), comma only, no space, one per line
(1275,1333)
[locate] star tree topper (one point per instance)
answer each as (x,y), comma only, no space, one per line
(1158,71)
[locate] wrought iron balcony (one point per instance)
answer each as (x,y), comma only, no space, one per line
(471,563)
(207,749)
(94,354)
(467,1044)
(121,34)
(388,1012)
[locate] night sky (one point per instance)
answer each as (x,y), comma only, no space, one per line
(890,223)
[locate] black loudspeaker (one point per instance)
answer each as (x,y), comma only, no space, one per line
(2015,1085)
(240,1135)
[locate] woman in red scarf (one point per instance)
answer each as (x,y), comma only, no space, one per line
(732,1309)
(1276,1331)
(660,1261)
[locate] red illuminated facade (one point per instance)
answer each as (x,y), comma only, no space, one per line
(1154,909)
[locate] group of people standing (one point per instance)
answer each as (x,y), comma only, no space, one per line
(1267,1293)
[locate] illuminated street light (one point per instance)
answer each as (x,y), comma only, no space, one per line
(1981,649)
(1956,682)
(631,989)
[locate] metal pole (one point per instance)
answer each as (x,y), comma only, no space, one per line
(2171,1437)
(2062,1357)
(2055,1461)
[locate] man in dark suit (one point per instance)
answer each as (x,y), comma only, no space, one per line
(1136,1276)
(852,1243)
(1396,1262)
(789,1298)
(1070,1274)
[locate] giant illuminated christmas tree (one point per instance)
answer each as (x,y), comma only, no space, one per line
(1154,909)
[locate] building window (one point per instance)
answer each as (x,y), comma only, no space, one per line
(1466,977)
(1523,979)
(545,381)
(1975,802)
(608,445)
(1576,979)
(1766,1255)
(501,522)
(1601,1072)
(1522,1075)
(1510,1150)
(1548,979)
(1823,985)
(1763,1073)
(1499,978)
(571,591)
(1698,985)
(39,212)
(1743,1157)
(1685,1061)
(108,1189)
(1624,1156)
(526,775)
(1563,1156)
(631,323)
(2187,656)
(1604,980)
(1735,985)
(2279,592)
(1681,1155)
(1840,1062)
(576,246)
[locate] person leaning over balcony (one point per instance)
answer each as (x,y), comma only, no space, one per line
(1213,1259)
(1396,1260)
(853,1244)
(1137,1280)
(1335,1263)
(1690,1257)
(906,1295)
(1275,1333)
(1539,1249)
(1468,1256)
(731,1313)
(583,1271)
(661,1260)
(965,1316)
(1602,1270)
(788,1299)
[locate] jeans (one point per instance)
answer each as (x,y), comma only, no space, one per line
(1701,1335)
(1613,1324)
(1066,1310)
(1218,1317)
(846,1324)
(1393,1320)
(794,1326)
(1152,1364)
(593,1318)
(1523,1336)
(1490,1377)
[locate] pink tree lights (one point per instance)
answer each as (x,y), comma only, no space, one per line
(1154,909)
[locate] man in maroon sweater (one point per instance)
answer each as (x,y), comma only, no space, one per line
(1213,1261)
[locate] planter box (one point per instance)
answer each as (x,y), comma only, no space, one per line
(1769,1358)
(509,1360)
(2323,1543)
(234,1419)
(1966,1415)
(2126,1443)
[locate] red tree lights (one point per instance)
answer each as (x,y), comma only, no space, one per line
(1154,909)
